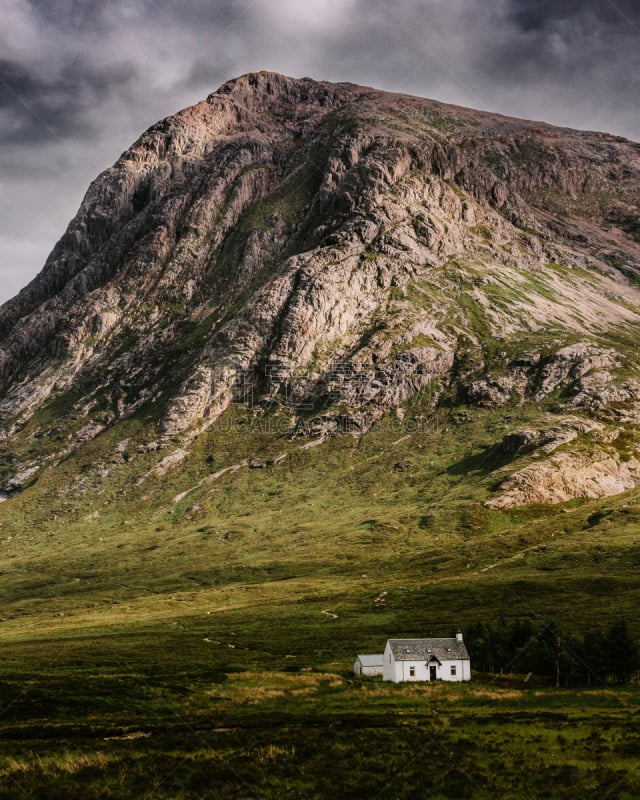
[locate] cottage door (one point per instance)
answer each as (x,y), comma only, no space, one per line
(432,673)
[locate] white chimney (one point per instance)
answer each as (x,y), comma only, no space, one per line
(459,636)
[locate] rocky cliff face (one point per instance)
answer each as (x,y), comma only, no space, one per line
(329,252)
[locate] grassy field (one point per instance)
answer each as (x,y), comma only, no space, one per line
(190,634)
(101,721)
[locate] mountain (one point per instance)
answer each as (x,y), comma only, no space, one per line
(327,252)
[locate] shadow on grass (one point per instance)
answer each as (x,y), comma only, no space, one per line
(486,461)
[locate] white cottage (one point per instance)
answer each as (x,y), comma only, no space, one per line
(426,660)
(368,664)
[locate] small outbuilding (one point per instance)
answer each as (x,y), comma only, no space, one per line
(443,659)
(368,664)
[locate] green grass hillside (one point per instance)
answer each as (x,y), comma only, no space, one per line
(250,515)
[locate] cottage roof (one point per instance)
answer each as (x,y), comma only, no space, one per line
(444,649)
(369,660)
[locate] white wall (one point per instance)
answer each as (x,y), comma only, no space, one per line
(360,670)
(388,666)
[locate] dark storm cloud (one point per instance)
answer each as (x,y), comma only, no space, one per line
(81,79)
(541,14)
(73,15)
(34,107)
(573,63)
(597,39)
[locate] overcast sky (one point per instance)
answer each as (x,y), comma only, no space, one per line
(81,79)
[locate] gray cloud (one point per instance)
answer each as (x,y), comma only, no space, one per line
(81,79)
(34,107)
(539,15)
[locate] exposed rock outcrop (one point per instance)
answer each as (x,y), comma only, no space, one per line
(547,440)
(567,476)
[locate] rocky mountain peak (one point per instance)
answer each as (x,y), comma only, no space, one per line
(334,252)
(270,91)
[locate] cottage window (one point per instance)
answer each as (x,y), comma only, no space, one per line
(453,670)
(412,672)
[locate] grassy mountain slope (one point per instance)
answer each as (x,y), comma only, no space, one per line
(199,644)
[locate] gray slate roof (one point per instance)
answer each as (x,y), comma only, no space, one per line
(425,649)
(369,660)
